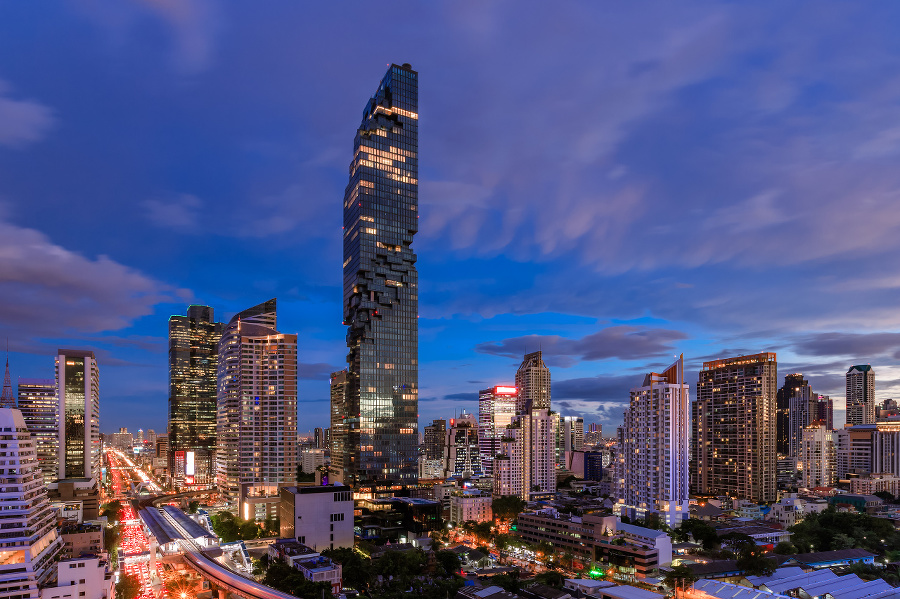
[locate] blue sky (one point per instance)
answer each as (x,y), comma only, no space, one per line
(614,184)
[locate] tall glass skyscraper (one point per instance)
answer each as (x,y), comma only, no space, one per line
(381,286)
(193,360)
(78,386)
(39,405)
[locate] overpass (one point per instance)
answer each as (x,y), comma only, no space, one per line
(171,527)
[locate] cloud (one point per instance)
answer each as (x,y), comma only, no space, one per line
(470,396)
(22,121)
(623,342)
(318,371)
(49,291)
(859,346)
(180,213)
(596,388)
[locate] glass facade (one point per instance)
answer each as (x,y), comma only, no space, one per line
(193,360)
(40,409)
(74,418)
(381,286)
(78,385)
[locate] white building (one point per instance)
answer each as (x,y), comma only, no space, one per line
(256,412)
(817,457)
(317,516)
(654,447)
(533,384)
(311,459)
(31,544)
(792,509)
(569,436)
(470,504)
(526,464)
(860,395)
(82,578)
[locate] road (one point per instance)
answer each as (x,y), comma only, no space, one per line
(134,543)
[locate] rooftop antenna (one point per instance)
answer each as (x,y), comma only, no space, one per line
(7,399)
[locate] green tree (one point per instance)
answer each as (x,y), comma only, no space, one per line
(507,582)
(785,548)
(448,562)
(885,496)
(111,511)
(193,507)
(282,577)
(128,587)
(356,569)
(754,563)
(679,577)
(507,507)
(482,531)
(551,579)
(699,531)
(305,477)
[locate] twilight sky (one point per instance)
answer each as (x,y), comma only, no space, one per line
(613,183)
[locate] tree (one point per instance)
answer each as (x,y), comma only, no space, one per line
(785,548)
(128,587)
(193,506)
(282,577)
(482,531)
(842,541)
(507,507)
(357,570)
(507,582)
(111,511)
(304,477)
(753,563)
(699,530)
(448,562)
(679,577)
(551,579)
(885,496)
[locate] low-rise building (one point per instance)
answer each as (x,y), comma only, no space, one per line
(761,534)
(634,552)
(313,565)
(875,483)
(470,504)
(318,516)
(866,504)
(86,577)
(78,539)
(792,509)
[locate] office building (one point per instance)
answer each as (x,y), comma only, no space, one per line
(78,388)
(39,404)
(797,407)
(470,505)
(319,438)
(462,455)
(31,544)
(340,423)
(311,459)
(860,395)
(87,577)
(381,289)
(256,412)
(655,447)
(817,457)
(318,516)
(434,439)
(569,432)
(193,365)
(496,409)
(824,412)
(734,428)
(533,383)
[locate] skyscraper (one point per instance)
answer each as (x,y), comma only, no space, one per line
(824,412)
(655,445)
(434,439)
(193,361)
(817,455)
(496,409)
(381,285)
(533,382)
(797,408)
(31,544)
(734,428)
(78,387)
(39,405)
(340,419)
(256,412)
(569,436)
(860,395)
(525,465)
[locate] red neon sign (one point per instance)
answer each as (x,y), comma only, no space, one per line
(505,390)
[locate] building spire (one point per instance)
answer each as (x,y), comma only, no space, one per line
(7,399)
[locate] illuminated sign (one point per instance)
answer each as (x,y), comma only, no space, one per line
(189,464)
(505,390)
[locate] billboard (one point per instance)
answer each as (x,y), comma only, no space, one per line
(189,463)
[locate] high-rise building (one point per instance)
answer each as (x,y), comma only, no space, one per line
(462,456)
(257,412)
(7,399)
(525,464)
(824,412)
(496,409)
(860,395)
(31,544)
(569,436)
(78,387)
(817,456)
(381,285)
(39,404)
(319,438)
(734,428)
(655,447)
(533,382)
(797,407)
(340,423)
(193,363)
(434,439)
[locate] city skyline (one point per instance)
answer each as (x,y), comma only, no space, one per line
(529,232)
